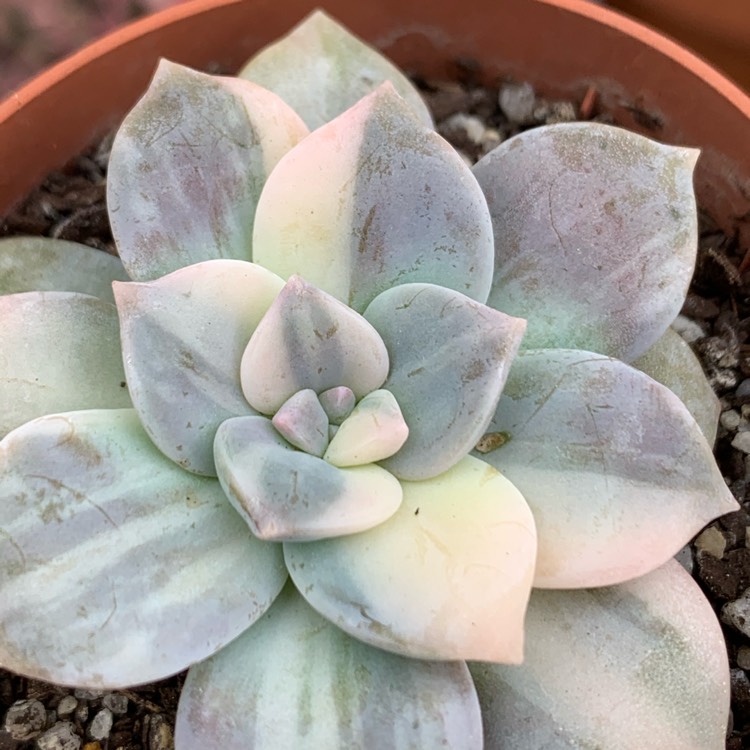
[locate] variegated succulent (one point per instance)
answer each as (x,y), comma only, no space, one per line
(339,355)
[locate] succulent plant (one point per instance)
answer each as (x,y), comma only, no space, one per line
(352,402)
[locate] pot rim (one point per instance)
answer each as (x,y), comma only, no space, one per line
(123,35)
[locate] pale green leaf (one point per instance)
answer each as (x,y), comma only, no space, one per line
(398,205)
(182,338)
(671,361)
(116,566)
(614,467)
(187,167)
(41,264)
(449,359)
(635,666)
(320,69)
(595,235)
(447,577)
(308,339)
(58,351)
(296,682)
(286,495)
(373,431)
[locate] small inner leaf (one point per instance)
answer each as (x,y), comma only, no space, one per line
(338,403)
(303,422)
(320,69)
(373,431)
(308,339)
(287,495)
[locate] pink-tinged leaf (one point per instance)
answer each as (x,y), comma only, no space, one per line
(595,235)
(296,682)
(183,337)
(671,361)
(187,167)
(448,576)
(59,351)
(449,359)
(286,495)
(616,470)
(302,421)
(399,206)
(116,566)
(635,666)
(308,339)
(320,69)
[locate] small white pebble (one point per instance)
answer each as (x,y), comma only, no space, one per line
(470,125)
(737,613)
(67,705)
(713,542)
(741,442)
(688,329)
(101,725)
(730,420)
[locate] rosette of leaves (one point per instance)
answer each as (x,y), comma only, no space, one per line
(257,459)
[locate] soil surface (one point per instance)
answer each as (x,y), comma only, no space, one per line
(70,205)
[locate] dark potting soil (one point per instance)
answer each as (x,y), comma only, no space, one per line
(70,205)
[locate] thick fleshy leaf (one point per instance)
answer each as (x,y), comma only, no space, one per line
(614,467)
(187,167)
(372,432)
(399,205)
(286,495)
(58,351)
(595,235)
(449,360)
(309,339)
(338,403)
(447,577)
(302,421)
(182,339)
(296,681)
(634,666)
(117,567)
(41,264)
(671,361)
(320,69)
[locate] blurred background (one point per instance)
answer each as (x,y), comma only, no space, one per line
(35,33)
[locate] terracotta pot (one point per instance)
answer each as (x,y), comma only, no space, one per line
(562,46)
(720,31)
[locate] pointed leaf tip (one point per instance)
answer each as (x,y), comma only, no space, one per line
(614,467)
(187,167)
(321,69)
